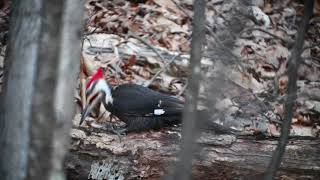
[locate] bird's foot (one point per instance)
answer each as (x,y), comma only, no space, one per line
(120,131)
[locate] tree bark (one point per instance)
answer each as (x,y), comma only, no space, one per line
(37,104)
(189,125)
(294,63)
(148,156)
(68,66)
(43,119)
(16,98)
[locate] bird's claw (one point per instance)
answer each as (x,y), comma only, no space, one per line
(119,132)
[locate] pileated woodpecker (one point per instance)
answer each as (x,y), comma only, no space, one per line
(140,108)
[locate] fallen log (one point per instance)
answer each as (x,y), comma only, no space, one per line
(149,155)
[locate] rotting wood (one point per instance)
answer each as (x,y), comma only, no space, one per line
(147,155)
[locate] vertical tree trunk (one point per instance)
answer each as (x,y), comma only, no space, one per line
(68,66)
(16,99)
(292,92)
(37,106)
(183,168)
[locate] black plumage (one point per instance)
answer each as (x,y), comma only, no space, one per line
(142,108)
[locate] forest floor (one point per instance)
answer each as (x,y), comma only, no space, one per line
(147,42)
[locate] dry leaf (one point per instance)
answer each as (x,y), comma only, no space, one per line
(172,26)
(132,60)
(273,130)
(283,84)
(168,4)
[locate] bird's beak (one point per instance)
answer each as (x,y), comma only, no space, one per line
(97,99)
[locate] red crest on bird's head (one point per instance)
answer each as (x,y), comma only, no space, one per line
(98,75)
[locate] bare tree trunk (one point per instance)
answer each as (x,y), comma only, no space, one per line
(189,130)
(292,91)
(37,101)
(16,99)
(68,66)
(43,119)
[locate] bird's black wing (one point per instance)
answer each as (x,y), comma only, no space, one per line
(142,101)
(142,108)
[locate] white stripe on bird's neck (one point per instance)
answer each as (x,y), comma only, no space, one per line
(102,85)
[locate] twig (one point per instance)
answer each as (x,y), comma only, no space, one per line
(87,22)
(292,89)
(183,88)
(131,34)
(310,94)
(285,41)
(89,33)
(101,115)
(311,46)
(116,65)
(183,167)
(260,102)
(311,63)
(209,30)
(85,38)
(227,50)
(147,84)
(271,120)
(182,9)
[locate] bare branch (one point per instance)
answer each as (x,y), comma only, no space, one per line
(189,131)
(287,41)
(147,84)
(131,34)
(292,89)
